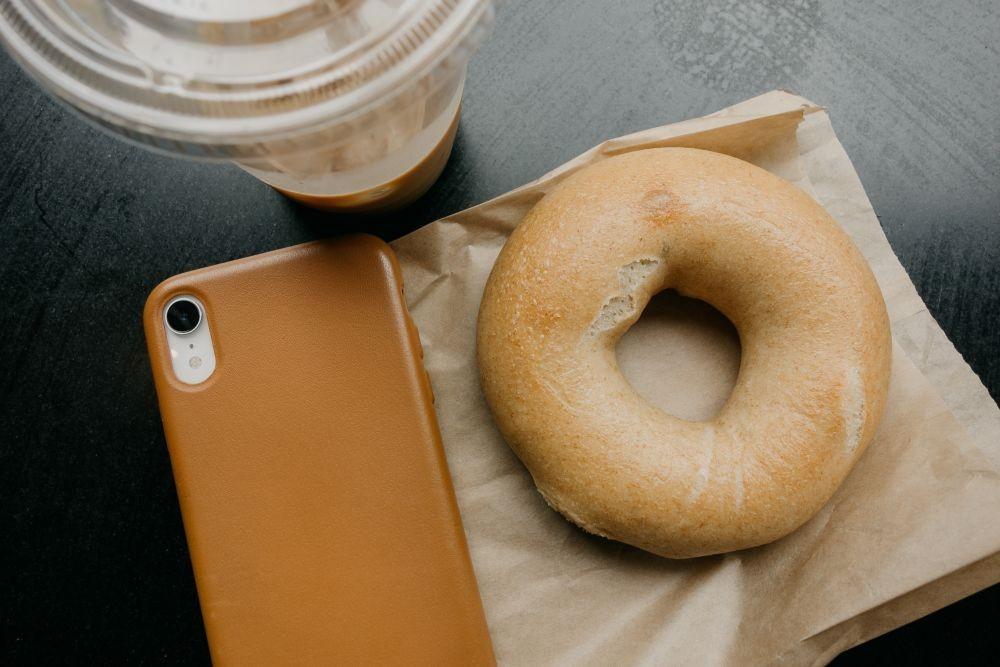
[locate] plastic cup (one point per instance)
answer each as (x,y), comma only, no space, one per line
(347,105)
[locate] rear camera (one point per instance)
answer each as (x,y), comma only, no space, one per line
(183,316)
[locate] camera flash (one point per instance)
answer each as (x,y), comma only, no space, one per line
(194,362)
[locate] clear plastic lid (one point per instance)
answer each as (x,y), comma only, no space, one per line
(235,71)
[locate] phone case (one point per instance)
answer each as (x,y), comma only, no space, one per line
(319,512)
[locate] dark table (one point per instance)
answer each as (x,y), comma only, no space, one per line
(94,565)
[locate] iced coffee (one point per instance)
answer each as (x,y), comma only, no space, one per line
(343,105)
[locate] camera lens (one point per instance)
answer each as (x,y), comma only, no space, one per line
(183,316)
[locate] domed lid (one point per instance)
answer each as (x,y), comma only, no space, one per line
(234,70)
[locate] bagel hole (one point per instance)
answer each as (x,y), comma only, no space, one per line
(682,355)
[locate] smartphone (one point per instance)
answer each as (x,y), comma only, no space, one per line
(316,499)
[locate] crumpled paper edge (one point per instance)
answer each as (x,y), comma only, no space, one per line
(913,326)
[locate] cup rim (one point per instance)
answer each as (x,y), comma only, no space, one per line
(439,36)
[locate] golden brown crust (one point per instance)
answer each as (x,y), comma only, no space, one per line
(813,327)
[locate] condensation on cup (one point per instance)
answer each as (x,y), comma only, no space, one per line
(345,105)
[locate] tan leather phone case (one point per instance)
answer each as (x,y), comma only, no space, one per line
(315,494)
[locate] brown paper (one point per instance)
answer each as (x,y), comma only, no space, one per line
(912,529)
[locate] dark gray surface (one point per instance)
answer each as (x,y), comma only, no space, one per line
(94,567)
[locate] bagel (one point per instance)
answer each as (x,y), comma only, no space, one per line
(814,335)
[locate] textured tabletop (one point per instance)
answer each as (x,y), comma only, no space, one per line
(93,559)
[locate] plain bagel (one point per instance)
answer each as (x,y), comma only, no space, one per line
(578,271)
